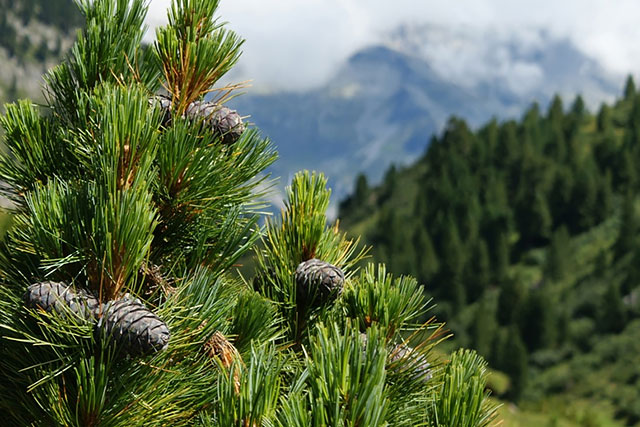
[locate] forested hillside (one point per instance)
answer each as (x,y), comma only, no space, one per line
(34,34)
(526,233)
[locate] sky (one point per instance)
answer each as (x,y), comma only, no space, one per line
(299,44)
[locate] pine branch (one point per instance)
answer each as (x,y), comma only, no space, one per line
(195,51)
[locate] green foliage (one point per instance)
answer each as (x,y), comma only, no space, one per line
(375,298)
(629,88)
(512,356)
(526,234)
(558,255)
(347,377)
(256,398)
(302,234)
(108,50)
(464,401)
(127,201)
(189,45)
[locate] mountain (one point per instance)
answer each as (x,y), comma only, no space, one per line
(380,107)
(385,102)
(527,234)
(34,34)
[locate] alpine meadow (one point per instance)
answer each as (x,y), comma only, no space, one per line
(135,195)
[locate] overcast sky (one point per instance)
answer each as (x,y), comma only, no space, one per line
(299,43)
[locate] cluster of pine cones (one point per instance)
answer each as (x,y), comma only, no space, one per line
(126,320)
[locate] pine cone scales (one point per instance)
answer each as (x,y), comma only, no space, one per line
(127,319)
(134,326)
(414,361)
(164,103)
(316,278)
(59,297)
(222,120)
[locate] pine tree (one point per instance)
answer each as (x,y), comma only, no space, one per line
(604,120)
(537,320)
(478,271)
(513,360)
(452,266)
(426,261)
(483,329)
(613,314)
(509,302)
(558,253)
(134,198)
(629,88)
(627,240)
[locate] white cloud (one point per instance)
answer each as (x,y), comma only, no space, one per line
(299,43)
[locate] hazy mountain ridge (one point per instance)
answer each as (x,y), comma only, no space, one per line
(527,63)
(384,103)
(380,107)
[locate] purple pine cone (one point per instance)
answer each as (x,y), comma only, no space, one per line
(59,298)
(164,103)
(222,120)
(404,357)
(316,278)
(133,326)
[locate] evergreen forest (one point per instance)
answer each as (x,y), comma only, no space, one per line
(526,234)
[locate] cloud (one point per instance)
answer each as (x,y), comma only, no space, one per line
(298,44)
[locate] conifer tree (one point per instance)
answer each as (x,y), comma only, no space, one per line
(558,254)
(134,198)
(627,242)
(537,320)
(513,360)
(604,120)
(483,328)
(478,270)
(629,88)
(613,314)
(426,261)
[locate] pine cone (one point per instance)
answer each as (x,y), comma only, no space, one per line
(222,120)
(318,279)
(164,103)
(219,347)
(410,361)
(133,326)
(60,297)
